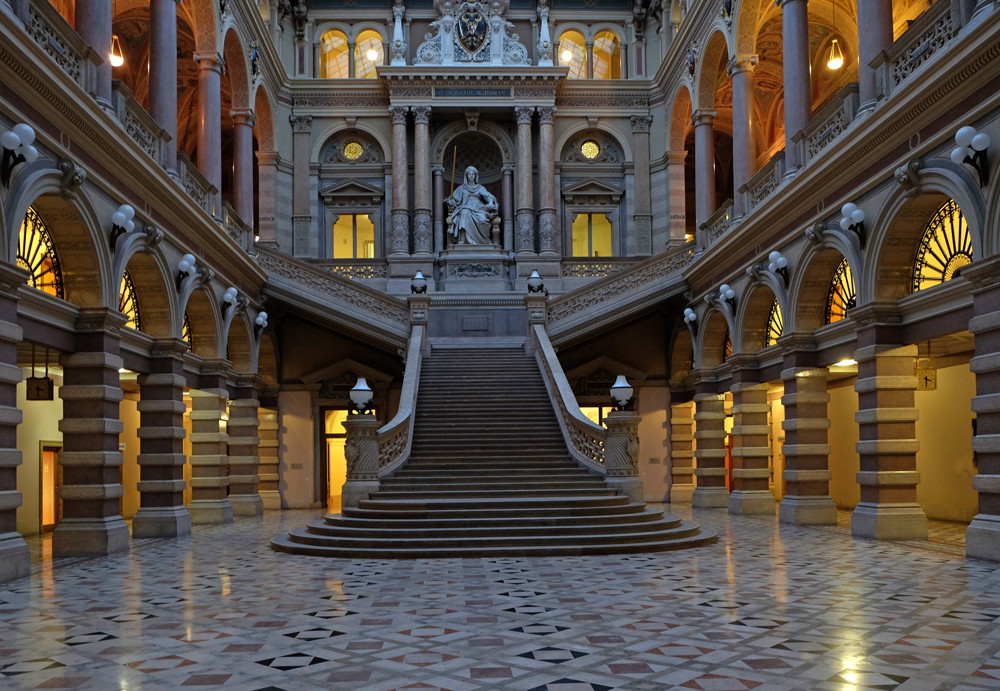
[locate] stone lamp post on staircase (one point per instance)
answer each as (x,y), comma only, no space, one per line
(621,450)
(361,448)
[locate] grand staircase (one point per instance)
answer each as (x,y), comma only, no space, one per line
(489,475)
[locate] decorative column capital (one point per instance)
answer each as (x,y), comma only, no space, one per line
(301,124)
(397,114)
(641,123)
(524,114)
(703,117)
(437,169)
(421,115)
(508,169)
(211,61)
(244,116)
(741,63)
(546,115)
(174,348)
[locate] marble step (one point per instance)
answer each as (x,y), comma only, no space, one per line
(636,514)
(417,530)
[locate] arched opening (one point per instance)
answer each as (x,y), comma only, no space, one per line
(573,54)
(187,91)
(762,320)
(334,59)
(481,152)
(714,340)
(681,356)
(607,56)
(201,326)
(36,254)
(945,247)
(239,346)
(715,93)
(826,293)
(52,222)
(128,302)
(368,54)
(149,298)
(681,174)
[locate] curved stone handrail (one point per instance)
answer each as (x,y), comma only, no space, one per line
(396,438)
(584,439)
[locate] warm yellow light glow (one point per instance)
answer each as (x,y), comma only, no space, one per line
(567,55)
(846,363)
(836,60)
(372,55)
(116,59)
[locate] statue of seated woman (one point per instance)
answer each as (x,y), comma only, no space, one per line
(471,210)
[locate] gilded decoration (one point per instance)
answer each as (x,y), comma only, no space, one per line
(593,148)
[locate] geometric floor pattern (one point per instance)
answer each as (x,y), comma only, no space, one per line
(767,607)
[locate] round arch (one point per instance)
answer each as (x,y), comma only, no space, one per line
(237,69)
(264,129)
(681,354)
(755,310)
(446,134)
(267,359)
(240,343)
(321,141)
(707,76)
(748,19)
(203,16)
(357,29)
(154,293)
(680,118)
(809,293)
(571,134)
(712,339)
(202,312)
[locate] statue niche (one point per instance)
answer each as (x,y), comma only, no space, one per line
(472,212)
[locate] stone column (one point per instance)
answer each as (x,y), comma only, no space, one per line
(681,452)
(807,450)
(744,146)
(351,66)
(643,216)
(525,234)
(163,74)
(621,453)
(798,89)
(710,436)
(91,462)
(547,232)
(268,454)
(361,451)
(982,538)
(590,60)
(887,420)
(15,558)
(209,458)
(92,19)
(303,242)
(244,461)
(210,69)
(422,236)
(267,179)
(161,438)
(508,208)
(704,168)
(439,243)
(750,450)
(676,193)
(874,36)
(243,124)
(400,233)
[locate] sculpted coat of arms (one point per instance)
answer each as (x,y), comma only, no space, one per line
(472,30)
(467,32)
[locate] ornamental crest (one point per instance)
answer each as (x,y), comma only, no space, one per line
(467,33)
(472,30)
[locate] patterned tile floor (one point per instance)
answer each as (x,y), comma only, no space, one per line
(765,607)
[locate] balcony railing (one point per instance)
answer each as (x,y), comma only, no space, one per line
(139,125)
(57,38)
(194,183)
(718,223)
(355,268)
(763,184)
(829,124)
(240,232)
(925,38)
(598,267)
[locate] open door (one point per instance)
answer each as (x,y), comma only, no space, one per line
(51,481)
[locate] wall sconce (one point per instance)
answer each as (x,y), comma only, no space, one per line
(361,396)
(691,319)
(854,221)
(121,223)
(418,286)
(621,394)
(261,322)
(728,294)
(184,268)
(535,284)
(229,298)
(972,149)
(778,265)
(17,149)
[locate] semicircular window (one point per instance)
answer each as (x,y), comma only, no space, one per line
(36,254)
(843,295)
(727,347)
(944,249)
(128,304)
(186,333)
(775,324)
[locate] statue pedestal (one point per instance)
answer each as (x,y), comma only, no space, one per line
(474,269)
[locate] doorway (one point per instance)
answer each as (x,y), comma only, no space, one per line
(50,478)
(334,440)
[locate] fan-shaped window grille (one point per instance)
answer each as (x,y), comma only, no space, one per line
(128,304)
(36,254)
(842,295)
(186,332)
(727,347)
(775,324)
(944,249)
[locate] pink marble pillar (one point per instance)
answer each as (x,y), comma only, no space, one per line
(642,218)
(676,191)
(590,60)
(439,244)
(400,233)
(163,74)
(874,36)
(798,92)
(704,167)
(548,237)
(508,208)
(243,123)
(93,23)
(525,197)
(210,69)
(744,148)
(422,231)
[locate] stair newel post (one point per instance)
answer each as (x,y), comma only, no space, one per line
(420,307)
(535,304)
(361,453)
(621,453)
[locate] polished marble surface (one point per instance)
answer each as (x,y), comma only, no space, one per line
(765,607)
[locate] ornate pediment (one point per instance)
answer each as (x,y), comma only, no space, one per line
(592,193)
(352,193)
(471,33)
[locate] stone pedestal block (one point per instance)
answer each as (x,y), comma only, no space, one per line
(15,559)
(209,459)
(268,454)
(710,474)
(681,452)
(361,451)
(750,450)
(243,444)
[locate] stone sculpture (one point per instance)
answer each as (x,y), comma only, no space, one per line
(471,210)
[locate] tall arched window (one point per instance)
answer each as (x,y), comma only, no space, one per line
(573,54)
(775,324)
(843,295)
(607,56)
(368,54)
(334,61)
(128,304)
(37,255)
(944,249)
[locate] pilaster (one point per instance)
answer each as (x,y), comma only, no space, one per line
(244,441)
(15,558)
(268,454)
(710,454)
(642,217)
(209,458)
(750,452)
(303,242)
(548,236)
(681,452)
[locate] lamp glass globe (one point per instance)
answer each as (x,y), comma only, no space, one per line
(965,135)
(27,135)
(981,142)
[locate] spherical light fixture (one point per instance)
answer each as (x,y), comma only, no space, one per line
(567,56)
(836,59)
(372,54)
(418,286)
(728,294)
(778,265)
(621,393)
(117,59)
(17,149)
(185,267)
(121,223)
(229,297)
(853,219)
(973,149)
(361,396)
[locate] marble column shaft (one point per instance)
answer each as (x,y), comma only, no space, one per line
(422,226)
(744,147)
(209,457)
(400,232)
(874,36)
(439,243)
(161,444)
(807,450)
(643,215)
(750,452)
(243,163)
(590,60)
(210,68)
(681,452)
(92,19)
(508,208)
(15,558)
(163,73)
(677,195)
(303,242)
(91,462)
(710,454)
(244,461)
(704,169)
(797,85)
(268,454)
(267,174)
(351,61)
(547,233)
(525,225)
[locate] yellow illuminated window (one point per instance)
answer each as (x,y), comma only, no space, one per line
(595,415)
(842,295)
(128,304)
(186,329)
(944,249)
(334,60)
(607,57)
(335,437)
(727,346)
(590,149)
(573,54)
(36,254)
(775,324)
(592,236)
(367,54)
(353,150)
(353,237)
